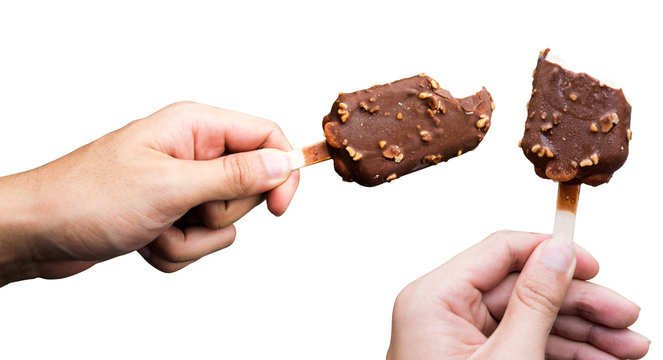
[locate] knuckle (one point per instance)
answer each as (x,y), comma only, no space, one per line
(272,125)
(216,222)
(168,247)
(171,254)
(276,134)
(183,104)
(404,298)
(168,268)
(499,236)
(592,337)
(402,305)
(238,172)
(406,303)
(178,110)
(232,235)
(501,233)
(214,215)
(582,306)
(276,128)
(536,295)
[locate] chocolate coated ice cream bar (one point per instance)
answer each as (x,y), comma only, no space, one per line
(387,131)
(577,129)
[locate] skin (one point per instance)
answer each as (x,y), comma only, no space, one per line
(170,185)
(508,298)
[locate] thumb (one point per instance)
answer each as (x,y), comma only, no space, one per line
(237,175)
(538,294)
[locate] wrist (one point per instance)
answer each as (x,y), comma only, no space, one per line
(18,220)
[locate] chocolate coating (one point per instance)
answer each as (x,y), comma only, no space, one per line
(387,131)
(577,128)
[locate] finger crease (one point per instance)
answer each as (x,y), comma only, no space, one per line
(590,334)
(582,308)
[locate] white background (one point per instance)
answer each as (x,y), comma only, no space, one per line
(319,282)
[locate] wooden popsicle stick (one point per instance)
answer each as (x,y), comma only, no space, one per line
(565,216)
(309,155)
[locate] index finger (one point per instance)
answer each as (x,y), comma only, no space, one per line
(204,132)
(487,263)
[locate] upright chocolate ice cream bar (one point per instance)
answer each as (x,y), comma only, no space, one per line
(387,131)
(577,128)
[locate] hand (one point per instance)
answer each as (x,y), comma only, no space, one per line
(170,185)
(500,300)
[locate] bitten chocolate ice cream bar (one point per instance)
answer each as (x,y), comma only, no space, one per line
(387,131)
(577,128)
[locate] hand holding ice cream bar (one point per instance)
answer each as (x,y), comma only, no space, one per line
(577,131)
(387,131)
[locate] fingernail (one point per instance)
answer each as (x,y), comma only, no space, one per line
(277,163)
(557,254)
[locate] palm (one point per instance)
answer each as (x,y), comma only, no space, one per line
(456,324)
